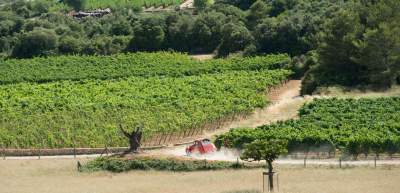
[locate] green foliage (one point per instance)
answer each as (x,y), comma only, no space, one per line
(200,4)
(264,150)
(258,11)
(70,45)
(148,35)
(78,5)
(40,42)
(354,126)
(124,65)
(115,4)
(234,38)
(243,4)
(113,164)
(360,46)
(168,93)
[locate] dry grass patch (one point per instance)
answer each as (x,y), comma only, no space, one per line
(60,176)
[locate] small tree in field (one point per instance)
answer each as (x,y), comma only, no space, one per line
(265,150)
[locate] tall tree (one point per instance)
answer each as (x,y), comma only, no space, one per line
(235,37)
(258,11)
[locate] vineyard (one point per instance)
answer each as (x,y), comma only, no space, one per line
(79,101)
(355,126)
(95,4)
(168,64)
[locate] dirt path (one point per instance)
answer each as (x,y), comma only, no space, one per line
(187,4)
(285,103)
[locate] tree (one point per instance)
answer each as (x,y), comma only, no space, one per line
(179,32)
(235,38)
(207,31)
(121,27)
(70,45)
(257,12)
(201,4)
(76,4)
(40,42)
(338,48)
(279,6)
(149,34)
(242,4)
(265,150)
(380,55)
(135,137)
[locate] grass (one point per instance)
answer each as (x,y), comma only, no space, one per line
(60,176)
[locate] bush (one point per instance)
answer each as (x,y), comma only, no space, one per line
(115,164)
(40,42)
(69,45)
(76,4)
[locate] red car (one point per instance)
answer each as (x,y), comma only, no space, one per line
(202,146)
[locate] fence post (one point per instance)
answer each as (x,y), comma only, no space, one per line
(3,151)
(74,151)
(305,161)
(277,181)
(375,161)
(74,140)
(39,153)
(340,162)
(40,148)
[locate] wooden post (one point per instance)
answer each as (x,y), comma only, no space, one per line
(263,182)
(4,151)
(74,141)
(41,146)
(340,162)
(375,161)
(74,151)
(277,181)
(160,139)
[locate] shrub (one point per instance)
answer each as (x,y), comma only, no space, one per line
(40,42)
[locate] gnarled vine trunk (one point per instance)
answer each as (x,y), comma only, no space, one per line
(134,137)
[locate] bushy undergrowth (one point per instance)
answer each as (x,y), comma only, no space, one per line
(115,164)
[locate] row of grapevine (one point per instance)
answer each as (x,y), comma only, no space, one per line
(167,64)
(356,126)
(86,113)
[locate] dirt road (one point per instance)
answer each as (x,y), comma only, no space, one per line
(187,4)
(285,101)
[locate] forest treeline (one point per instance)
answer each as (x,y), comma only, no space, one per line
(331,42)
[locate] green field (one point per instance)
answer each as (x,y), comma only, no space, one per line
(95,4)
(83,108)
(356,126)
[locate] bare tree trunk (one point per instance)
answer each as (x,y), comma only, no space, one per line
(270,175)
(134,137)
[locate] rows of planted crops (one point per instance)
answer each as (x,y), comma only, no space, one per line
(355,126)
(80,100)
